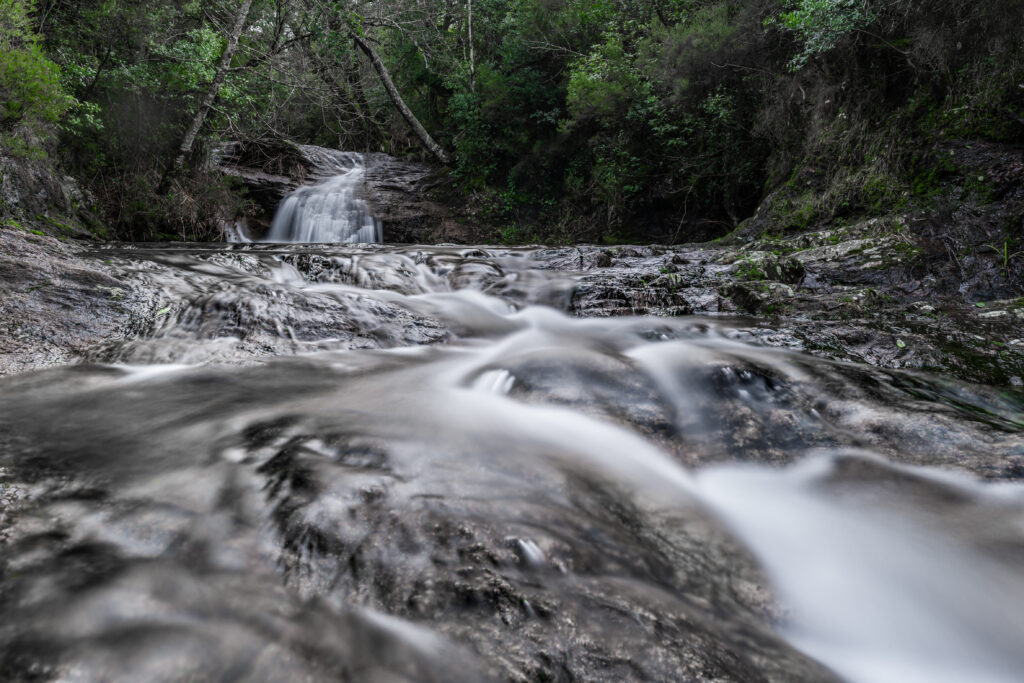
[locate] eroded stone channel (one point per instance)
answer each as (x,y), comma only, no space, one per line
(457,463)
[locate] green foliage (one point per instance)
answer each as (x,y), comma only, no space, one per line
(579,119)
(748,270)
(1006,255)
(31,92)
(138,70)
(603,83)
(189,61)
(928,172)
(819,25)
(650,122)
(881,193)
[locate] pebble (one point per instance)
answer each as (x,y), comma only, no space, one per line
(922,307)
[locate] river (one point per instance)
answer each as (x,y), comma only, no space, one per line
(432,463)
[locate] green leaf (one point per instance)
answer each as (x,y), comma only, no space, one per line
(164,310)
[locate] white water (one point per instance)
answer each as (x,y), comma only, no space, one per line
(877,586)
(885,573)
(332,211)
(920,581)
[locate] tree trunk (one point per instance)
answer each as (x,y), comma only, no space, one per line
(472,58)
(185,148)
(396,98)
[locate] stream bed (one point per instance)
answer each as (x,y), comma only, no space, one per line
(383,463)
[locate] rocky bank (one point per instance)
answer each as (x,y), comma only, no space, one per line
(854,294)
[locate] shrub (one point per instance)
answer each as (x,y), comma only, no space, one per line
(820,25)
(30,84)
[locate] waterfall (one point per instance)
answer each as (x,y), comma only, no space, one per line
(332,210)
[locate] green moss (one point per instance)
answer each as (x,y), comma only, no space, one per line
(982,363)
(928,174)
(906,249)
(979,188)
(881,193)
(59,225)
(614,238)
(794,214)
(750,271)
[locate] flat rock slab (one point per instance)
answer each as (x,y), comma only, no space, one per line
(54,305)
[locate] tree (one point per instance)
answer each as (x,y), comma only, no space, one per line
(821,24)
(389,85)
(31,92)
(185,148)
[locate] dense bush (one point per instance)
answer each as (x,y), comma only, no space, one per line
(32,98)
(641,119)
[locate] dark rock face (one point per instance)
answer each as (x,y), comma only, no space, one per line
(54,305)
(963,242)
(270,173)
(400,193)
(29,187)
(267,174)
(401,196)
(35,196)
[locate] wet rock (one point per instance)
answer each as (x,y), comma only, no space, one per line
(55,305)
(409,198)
(759,297)
(61,303)
(122,300)
(297,520)
(759,265)
(922,307)
(402,515)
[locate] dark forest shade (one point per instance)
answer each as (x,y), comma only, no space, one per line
(570,119)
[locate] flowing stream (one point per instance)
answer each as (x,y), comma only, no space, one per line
(410,463)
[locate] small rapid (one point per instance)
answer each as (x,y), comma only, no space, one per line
(428,463)
(332,210)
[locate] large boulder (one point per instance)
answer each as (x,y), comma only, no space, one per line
(408,198)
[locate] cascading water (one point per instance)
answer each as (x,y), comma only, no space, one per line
(331,211)
(443,477)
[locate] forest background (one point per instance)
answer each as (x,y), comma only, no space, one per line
(558,120)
